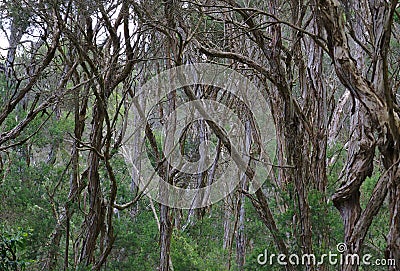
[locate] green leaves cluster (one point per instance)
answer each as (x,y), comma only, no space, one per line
(13,246)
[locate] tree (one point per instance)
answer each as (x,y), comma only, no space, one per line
(75,72)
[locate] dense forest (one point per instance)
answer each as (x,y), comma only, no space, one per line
(200,135)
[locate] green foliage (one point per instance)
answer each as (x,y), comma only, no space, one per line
(396,17)
(136,247)
(199,247)
(26,201)
(13,249)
(184,253)
(375,242)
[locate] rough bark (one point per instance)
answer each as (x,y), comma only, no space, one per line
(376,98)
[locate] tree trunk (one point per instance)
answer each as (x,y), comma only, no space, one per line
(94,221)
